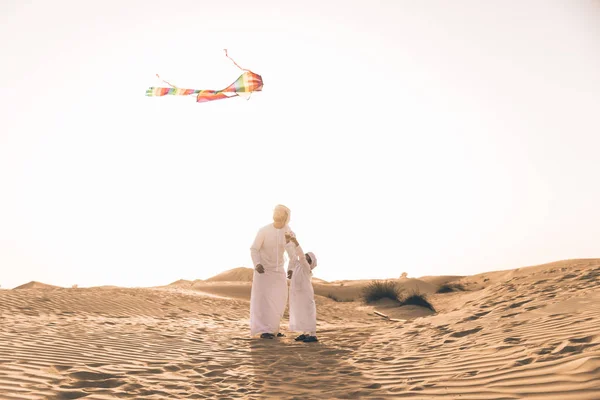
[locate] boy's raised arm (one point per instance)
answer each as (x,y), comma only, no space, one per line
(300,253)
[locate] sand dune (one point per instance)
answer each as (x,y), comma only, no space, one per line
(440,280)
(36,285)
(526,333)
(181,283)
(240,274)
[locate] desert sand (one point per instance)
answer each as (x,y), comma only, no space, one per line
(530,333)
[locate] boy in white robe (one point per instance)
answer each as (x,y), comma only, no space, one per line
(303,310)
(269,293)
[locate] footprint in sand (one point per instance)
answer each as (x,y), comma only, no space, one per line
(467,332)
(92,376)
(568,276)
(69,394)
(130,387)
(512,340)
(543,351)
(105,384)
(475,317)
(524,361)
(565,348)
(149,371)
(532,308)
(590,276)
(586,339)
(61,368)
(519,304)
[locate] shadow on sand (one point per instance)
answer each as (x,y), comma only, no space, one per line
(284,368)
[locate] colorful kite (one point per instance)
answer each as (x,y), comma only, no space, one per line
(247,83)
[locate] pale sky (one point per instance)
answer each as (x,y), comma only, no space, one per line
(428,137)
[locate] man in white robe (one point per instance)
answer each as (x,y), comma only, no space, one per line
(303,310)
(269,293)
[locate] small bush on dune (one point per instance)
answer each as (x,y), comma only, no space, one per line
(338,299)
(377,290)
(450,287)
(333,297)
(416,298)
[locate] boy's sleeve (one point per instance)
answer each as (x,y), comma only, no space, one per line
(302,258)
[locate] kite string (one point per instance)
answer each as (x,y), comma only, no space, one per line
(173,86)
(226,55)
(236,64)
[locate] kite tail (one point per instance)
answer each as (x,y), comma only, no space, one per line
(173,90)
(163,91)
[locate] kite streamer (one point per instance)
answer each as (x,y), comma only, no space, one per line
(247,83)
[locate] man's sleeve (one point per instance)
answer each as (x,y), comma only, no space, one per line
(255,248)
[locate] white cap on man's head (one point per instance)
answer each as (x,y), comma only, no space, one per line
(281,207)
(313,259)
